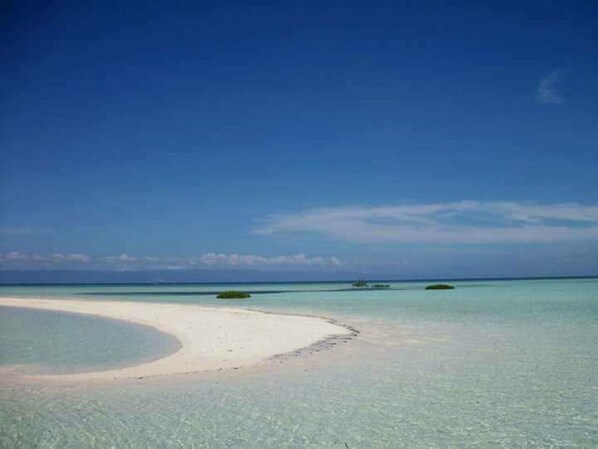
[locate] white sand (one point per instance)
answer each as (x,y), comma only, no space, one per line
(211,338)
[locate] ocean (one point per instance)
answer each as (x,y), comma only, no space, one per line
(490,364)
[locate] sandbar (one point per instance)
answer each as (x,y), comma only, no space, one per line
(211,338)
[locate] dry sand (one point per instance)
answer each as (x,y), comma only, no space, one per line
(211,338)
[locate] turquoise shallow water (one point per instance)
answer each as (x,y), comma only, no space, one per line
(51,342)
(490,364)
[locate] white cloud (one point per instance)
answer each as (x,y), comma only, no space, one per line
(547,92)
(83,258)
(56,258)
(456,222)
(14,255)
(124,261)
(252,260)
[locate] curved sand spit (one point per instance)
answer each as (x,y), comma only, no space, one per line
(211,338)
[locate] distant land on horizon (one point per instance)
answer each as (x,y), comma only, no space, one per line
(33,277)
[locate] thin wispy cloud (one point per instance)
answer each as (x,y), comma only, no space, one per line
(16,231)
(17,260)
(455,222)
(548,92)
(15,256)
(233,260)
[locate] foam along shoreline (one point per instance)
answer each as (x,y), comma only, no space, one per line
(211,338)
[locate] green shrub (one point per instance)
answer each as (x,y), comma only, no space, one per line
(232,294)
(440,287)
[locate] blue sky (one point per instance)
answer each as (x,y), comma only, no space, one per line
(426,139)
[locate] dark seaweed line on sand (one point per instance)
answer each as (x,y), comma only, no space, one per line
(324,344)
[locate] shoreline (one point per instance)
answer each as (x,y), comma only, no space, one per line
(211,338)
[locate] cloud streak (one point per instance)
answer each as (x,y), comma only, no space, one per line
(464,222)
(16,260)
(16,231)
(547,92)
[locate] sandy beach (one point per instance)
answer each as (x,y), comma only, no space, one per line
(211,338)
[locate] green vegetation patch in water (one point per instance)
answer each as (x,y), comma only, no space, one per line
(233,294)
(440,287)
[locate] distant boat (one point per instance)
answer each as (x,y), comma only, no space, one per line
(361,284)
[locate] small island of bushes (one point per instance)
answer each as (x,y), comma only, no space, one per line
(440,287)
(233,294)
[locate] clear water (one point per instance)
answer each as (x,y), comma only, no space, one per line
(46,342)
(490,364)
